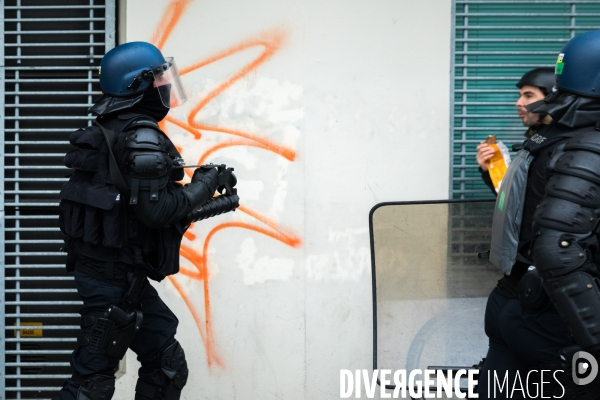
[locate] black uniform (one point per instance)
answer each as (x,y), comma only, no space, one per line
(524,327)
(119,230)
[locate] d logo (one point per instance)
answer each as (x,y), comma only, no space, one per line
(580,367)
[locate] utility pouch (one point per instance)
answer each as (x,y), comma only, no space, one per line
(161,250)
(532,294)
(70,263)
(71,257)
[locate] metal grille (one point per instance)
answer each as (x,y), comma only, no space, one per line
(470,233)
(52,49)
(494,43)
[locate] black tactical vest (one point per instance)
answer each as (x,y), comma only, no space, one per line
(97,220)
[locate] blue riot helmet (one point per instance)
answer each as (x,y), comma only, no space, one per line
(129,69)
(542,78)
(578,65)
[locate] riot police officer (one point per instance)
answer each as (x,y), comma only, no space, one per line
(123,215)
(545,237)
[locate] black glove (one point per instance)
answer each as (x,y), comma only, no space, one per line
(201,172)
(225,183)
(202,188)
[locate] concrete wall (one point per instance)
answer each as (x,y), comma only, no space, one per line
(324,108)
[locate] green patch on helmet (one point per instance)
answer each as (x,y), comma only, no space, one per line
(559,68)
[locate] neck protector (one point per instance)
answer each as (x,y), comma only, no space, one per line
(568,110)
(107,104)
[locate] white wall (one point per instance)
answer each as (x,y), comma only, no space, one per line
(357,95)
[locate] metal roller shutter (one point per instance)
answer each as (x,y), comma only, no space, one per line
(494,43)
(51,53)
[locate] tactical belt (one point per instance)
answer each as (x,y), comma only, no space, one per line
(111,272)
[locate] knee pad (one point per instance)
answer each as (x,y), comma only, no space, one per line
(172,363)
(174,366)
(96,387)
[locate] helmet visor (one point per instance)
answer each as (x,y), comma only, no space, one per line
(168,83)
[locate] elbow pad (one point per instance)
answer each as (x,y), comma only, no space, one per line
(142,152)
(566,221)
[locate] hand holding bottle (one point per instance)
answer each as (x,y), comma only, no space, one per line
(484,153)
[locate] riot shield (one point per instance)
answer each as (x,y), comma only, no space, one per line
(429,286)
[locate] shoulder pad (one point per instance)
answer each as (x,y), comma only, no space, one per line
(145,137)
(580,163)
(142,121)
(589,140)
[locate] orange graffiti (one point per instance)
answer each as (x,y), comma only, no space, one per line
(270,42)
(173,12)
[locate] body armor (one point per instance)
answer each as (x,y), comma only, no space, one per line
(564,230)
(96,218)
(566,242)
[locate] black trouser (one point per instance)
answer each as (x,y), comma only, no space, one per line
(519,340)
(157,332)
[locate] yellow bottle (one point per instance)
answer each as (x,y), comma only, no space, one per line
(496,165)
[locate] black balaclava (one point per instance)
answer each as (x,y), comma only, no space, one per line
(568,109)
(151,105)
